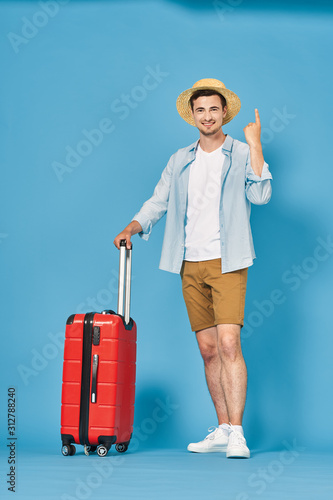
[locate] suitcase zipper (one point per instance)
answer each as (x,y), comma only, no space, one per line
(85,378)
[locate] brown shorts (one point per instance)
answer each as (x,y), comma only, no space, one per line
(211,297)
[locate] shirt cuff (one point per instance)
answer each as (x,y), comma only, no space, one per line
(145,223)
(265,174)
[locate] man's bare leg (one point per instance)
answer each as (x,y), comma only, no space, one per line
(233,372)
(226,377)
(208,345)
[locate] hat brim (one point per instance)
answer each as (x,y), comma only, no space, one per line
(184,106)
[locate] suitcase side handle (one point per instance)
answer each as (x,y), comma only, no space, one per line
(94,379)
(124,283)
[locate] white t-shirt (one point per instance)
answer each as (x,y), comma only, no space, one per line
(202,228)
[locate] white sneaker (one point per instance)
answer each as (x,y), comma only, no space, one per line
(237,445)
(217,440)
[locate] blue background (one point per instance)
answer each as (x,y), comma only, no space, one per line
(56,237)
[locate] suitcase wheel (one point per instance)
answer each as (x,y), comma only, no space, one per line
(68,450)
(102,450)
(89,449)
(121,447)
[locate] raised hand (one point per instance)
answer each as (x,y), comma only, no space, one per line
(252,131)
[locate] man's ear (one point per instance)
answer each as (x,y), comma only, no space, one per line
(225,110)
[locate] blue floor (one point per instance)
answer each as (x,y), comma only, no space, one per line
(171,474)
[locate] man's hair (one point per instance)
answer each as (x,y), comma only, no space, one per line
(206,92)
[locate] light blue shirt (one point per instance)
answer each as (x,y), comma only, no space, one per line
(240,187)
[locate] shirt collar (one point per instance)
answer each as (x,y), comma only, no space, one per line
(226,146)
(191,152)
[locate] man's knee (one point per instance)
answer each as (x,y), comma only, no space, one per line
(208,350)
(229,344)
(229,347)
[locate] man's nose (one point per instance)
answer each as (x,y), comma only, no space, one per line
(207,116)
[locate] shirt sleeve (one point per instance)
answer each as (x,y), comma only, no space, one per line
(154,208)
(257,187)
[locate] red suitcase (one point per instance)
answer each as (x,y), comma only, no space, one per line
(98,383)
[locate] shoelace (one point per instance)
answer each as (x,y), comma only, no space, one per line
(214,430)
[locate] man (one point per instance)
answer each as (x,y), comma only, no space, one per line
(207,189)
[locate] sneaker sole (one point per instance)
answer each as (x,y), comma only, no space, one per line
(221,449)
(237,454)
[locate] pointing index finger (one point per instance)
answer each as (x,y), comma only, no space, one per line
(257,116)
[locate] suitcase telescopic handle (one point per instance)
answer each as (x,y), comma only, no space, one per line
(124,283)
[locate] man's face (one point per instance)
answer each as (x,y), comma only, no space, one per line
(207,114)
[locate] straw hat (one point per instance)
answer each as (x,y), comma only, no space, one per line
(184,106)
